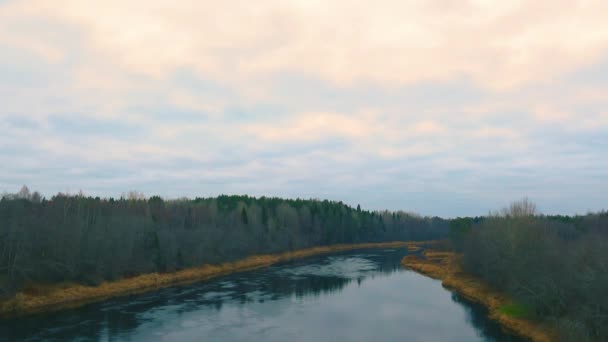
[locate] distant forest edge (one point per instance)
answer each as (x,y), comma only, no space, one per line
(88,240)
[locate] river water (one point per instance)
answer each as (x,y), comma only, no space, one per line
(362,295)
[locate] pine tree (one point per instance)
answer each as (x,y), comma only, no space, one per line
(244,217)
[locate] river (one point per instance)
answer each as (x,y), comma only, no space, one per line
(362,295)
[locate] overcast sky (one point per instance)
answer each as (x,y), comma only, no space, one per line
(439,107)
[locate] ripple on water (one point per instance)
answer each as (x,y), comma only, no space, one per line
(345,267)
(227,284)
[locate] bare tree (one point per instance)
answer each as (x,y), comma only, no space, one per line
(521,208)
(134,195)
(36,197)
(24,193)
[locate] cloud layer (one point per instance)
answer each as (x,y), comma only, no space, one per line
(442,107)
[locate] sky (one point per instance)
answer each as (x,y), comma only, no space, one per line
(439,107)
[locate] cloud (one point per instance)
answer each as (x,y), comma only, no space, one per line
(417,105)
(498,46)
(314,126)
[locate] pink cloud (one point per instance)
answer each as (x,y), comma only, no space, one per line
(498,45)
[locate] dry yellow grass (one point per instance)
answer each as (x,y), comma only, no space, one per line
(419,265)
(446,267)
(413,249)
(439,255)
(41,298)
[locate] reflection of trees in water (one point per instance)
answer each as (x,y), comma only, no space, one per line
(121,315)
(477,315)
(389,262)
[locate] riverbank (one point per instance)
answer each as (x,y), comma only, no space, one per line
(54,297)
(445,266)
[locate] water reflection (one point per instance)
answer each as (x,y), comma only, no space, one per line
(310,299)
(477,315)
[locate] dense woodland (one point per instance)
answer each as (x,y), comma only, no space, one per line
(555,267)
(88,240)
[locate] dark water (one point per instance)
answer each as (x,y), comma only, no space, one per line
(354,296)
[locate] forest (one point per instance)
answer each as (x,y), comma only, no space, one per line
(83,239)
(554,267)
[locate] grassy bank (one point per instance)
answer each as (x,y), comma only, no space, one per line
(53,297)
(445,266)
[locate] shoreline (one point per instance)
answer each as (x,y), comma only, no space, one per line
(56,297)
(445,266)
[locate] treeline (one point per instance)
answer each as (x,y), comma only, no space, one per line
(554,267)
(90,239)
